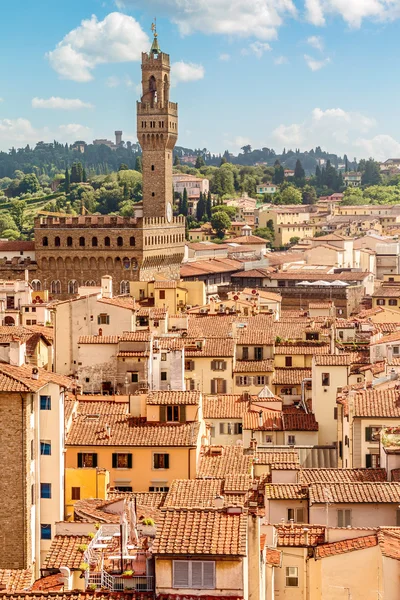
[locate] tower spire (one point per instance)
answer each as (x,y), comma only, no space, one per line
(155,48)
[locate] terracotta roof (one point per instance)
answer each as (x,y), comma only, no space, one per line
(133,353)
(15,580)
(318,275)
(206,267)
(290,349)
(262,293)
(254,366)
(46,331)
(193,493)
(376,403)
(119,301)
(286,491)
(220,461)
(151,499)
(290,376)
(281,457)
(389,542)
(391,337)
(152,312)
(249,240)
(91,510)
(98,339)
(81,595)
(173,397)
(253,273)
(64,552)
(341,475)
(211,347)
(387,291)
(125,431)
(333,360)
(209,326)
(351,493)
(344,546)
(237,482)
(212,532)
(299,421)
(51,583)
(260,419)
(294,535)
(17,246)
(135,336)
(168,284)
(224,406)
(19,379)
(273,557)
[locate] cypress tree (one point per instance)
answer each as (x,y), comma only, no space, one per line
(184,209)
(208,205)
(200,209)
(67,181)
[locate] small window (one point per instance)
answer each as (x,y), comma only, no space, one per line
(132,241)
(158,488)
(380,302)
(45,490)
(94,242)
(103,319)
(107,241)
(288,361)
(295,514)
(160,461)
(172,414)
(162,294)
(45,531)
(122,460)
(392,302)
(325,379)
(268,439)
(45,402)
(120,241)
(164,376)
(82,241)
(292,577)
(258,353)
(152,167)
(164,356)
(261,380)
(69,241)
(135,377)
(194,574)
(291,440)
(45,241)
(57,241)
(75,493)
(87,460)
(245,353)
(344,518)
(45,448)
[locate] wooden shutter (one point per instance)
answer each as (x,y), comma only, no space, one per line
(94,460)
(368,460)
(80,459)
(156,461)
(368,434)
(213,386)
(300,515)
(114,461)
(197,574)
(347,518)
(224,386)
(129,461)
(224,365)
(397,518)
(213,365)
(340,521)
(166,461)
(209,575)
(182,414)
(163,414)
(181,573)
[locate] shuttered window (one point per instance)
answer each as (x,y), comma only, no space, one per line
(218,386)
(87,459)
(194,574)
(344,518)
(161,461)
(122,460)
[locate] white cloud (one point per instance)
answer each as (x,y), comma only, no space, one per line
(352,11)
(118,38)
(281,60)
(20,131)
(260,19)
(113,81)
(257,48)
(60,103)
(1,99)
(316,41)
(181,71)
(74,131)
(128,81)
(314,64)
(380,147)
(224,57)
(333,128)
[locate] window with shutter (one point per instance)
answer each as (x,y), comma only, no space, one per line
(292,577)
(197,574)
(208,575)
(300,515)
(163,414)
(181,573)
(397,518)
(182,414)
(368,461)
(344,518)
(368,434)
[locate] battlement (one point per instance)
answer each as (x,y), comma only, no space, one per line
(89,221)
(168,108)
(157,221)
(155,60)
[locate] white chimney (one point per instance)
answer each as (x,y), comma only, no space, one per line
(66,578)
(35,373)
(106,286)
(218,502)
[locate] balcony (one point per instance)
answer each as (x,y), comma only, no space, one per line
(118,583)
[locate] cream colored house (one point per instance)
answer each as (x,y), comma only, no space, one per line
(209,364)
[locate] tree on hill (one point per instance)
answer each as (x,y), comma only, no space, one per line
(309,195)
(29,184)
(177,162)
(18,213)
(371,173)
(221,223)
(183,207)
(289,194)
(299,173)
(123,167)
(200,208)
(67,181)
(199,162)
(76,173)
(208,205)
(138,164)
(279,175)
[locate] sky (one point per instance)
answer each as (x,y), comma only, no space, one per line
(269,73)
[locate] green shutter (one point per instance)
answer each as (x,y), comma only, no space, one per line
(166,461)
(368,434)
(80,459)
(368,461)
(129,461)
(163,414)
(95,459)
(182,414)
(114,461)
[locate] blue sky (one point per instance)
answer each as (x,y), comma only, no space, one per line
(275,73)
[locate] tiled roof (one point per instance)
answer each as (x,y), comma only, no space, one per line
(163,285)
(47,331)
(294,535)
(212,532)
(15,580)
(237,482)
(350,493)
(386,339)
(247,239)
(220,461)
(304,275)
(152,312)
(51,583)
(389,542)
(209,326)
(17,246)
(124,431)
(377,403)
(291,349)
(98,339)
(133,353)
(344,546)
(173,397)
(299,421)
(333,360)
(64,552)
(290,376)
(387,291)
(224,406)
(119,301)
(281,457)
(193,493)
(206,267)
(135,336)
(211,347)
(260,419)
(81,595)
(102,405)
(254,366)
(341,475)
(273,557)
(262,293)
(286,491)
(151,499)
(19,379)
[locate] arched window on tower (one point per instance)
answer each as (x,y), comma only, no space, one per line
(132,241)
(45,241)
(81,241)
(57,241)
(36,285)
(120,241)
(55,287)
(94,242)
(72,287)
(107,241)
(69,241)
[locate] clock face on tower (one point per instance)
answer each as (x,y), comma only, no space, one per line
(169,212)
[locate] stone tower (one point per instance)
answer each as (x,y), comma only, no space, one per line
(157,130)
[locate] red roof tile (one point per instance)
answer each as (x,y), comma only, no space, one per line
(344,546)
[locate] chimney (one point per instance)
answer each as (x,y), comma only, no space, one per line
(260,418)
(66,578)
(218,502)
(106,286)
(35,373)
(108,431)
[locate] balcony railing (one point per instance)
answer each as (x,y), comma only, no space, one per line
(117,583)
